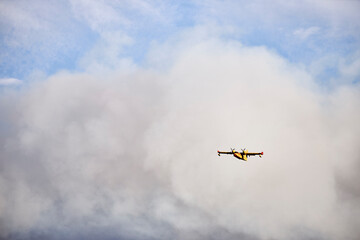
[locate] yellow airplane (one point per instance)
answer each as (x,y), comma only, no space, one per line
(243,155)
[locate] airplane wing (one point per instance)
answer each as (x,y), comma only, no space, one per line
(219,152)
(254,154)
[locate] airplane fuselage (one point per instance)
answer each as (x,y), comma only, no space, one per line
(239,155)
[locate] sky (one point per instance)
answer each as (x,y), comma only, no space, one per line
(112,113)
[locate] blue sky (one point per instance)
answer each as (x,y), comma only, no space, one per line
(56,35)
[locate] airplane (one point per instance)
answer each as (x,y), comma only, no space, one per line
(243,155)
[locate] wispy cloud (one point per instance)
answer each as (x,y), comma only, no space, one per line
(68,35)
(9,81)
(306,33)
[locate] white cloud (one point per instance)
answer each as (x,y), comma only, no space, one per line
(306,33)
(138,150)
(350,69)
(99,15)
(237,97)
(9,81)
